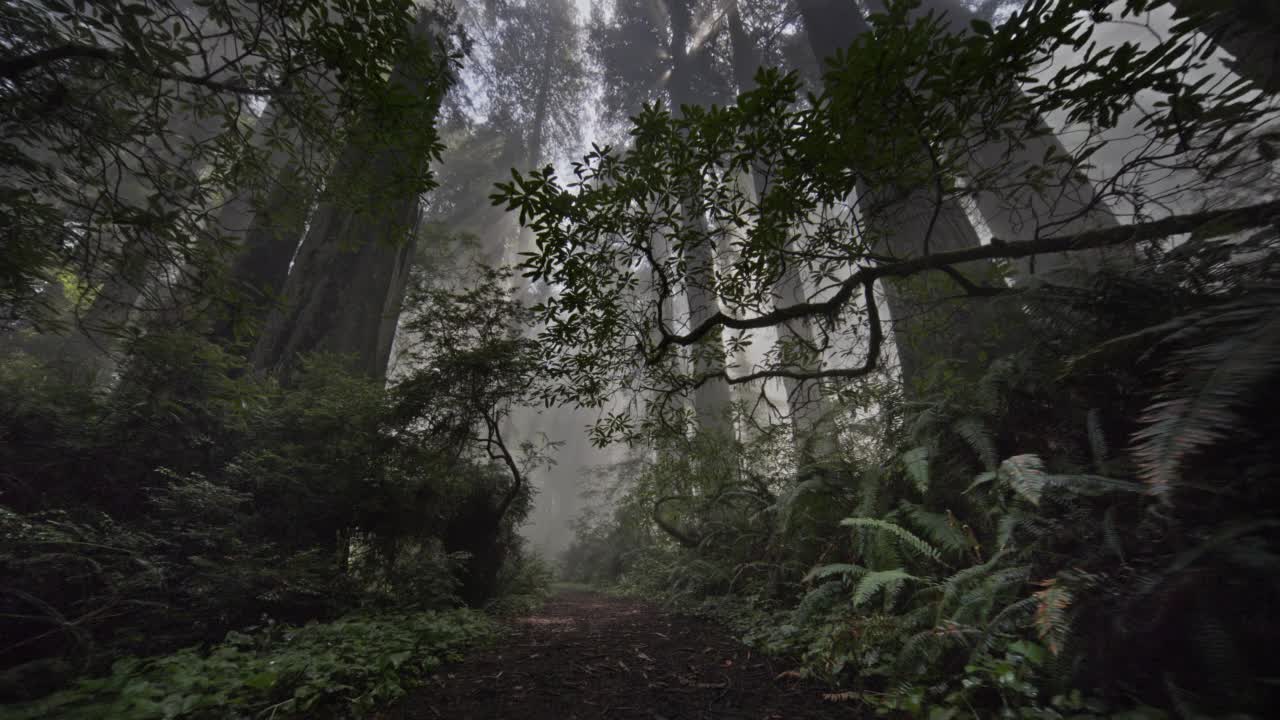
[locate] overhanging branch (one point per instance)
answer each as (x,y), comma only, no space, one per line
(1232,220)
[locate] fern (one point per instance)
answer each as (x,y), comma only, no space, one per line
(978,437)
(977,604)
(993,387)
(926,423)
(1051,618)
(1225,355)
(1025,474)
(941,530)
(916,462)
(980,480)
(1111,534)
(926,646)
(869,493)
(907,538)
(822,572)
(817,601)
(961,579)
(1014,616)
(1097,441)
(873,582)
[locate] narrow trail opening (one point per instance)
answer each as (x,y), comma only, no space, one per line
(588,655)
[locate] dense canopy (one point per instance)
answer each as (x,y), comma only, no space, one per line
(928,346)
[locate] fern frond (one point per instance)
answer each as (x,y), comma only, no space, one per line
(921,649)
(993,386)
(919,617)
(1051,619)
(871,583)
(1013,617)
(907,538)
(1097,441)
(818,600)
(1005,528)
(1111,533)
(1025,474)
(786,502)
(978,437)
(822,572)
(869,493)
(891,590)
(1093,485)
(958,581)
(1231,353)
(926,423)
(926,646)
(940,529)
(916,463)
(975,605)
(1009,577)
(980,480)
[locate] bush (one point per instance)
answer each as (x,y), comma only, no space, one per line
(1078,531)
(343,668)
(190,499)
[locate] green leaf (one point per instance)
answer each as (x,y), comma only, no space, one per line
(916,462)
(873,582)
(1025,474)
(982,479)
(908,538)
(262,680)
(821,572)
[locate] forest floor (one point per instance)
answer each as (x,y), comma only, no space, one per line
(587,655)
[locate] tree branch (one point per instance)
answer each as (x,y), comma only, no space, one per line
(19,66)
(875,342)
(517,478)
(15,68)
(1242,218)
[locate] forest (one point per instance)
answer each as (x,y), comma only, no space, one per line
(639,358)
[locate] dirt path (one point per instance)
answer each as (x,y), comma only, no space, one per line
(586,655)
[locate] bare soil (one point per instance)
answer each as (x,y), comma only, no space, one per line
(587,655)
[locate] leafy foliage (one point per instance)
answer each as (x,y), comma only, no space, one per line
(343,668)
(948,586)
(904,109)
(219,497)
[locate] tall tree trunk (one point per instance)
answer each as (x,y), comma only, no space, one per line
(265,222)
(268,238)
(343,295)
(1249,30)
(137,263)
(535,150)
(1017,211)
(929,325)
(711,400)
(806,405)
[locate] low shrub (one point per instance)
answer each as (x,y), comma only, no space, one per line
(343,668)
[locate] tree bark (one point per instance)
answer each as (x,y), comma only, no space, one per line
(267,230)
(711,400)
(806,405)
(1249,30)
(912,225)
(1016,211)
(343,295)
(138,262)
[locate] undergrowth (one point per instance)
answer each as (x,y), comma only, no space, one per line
(1079,529)
(343,668)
